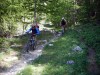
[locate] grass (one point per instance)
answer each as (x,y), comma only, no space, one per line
(54,58)
(91,36)
(27,71)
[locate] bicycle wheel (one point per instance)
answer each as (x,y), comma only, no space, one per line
(26,48)
(34,45)
(30,45)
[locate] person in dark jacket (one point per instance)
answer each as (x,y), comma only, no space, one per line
(63,24)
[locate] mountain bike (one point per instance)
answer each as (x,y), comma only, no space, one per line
(31,45)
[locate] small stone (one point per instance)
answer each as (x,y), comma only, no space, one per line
(50,44)
(77,48)
(70,62)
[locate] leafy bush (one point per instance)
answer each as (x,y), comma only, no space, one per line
(4,44)
(1,42)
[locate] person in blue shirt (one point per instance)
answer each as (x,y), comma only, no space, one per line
(34,29)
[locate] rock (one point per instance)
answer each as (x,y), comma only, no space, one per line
(60,32)
(70,62)
(50,44)
(77,48)
(59,35)
(45,41)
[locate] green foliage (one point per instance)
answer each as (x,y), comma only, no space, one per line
(1,41)
(12,12)
(74,11)
(4,44)
(56,9)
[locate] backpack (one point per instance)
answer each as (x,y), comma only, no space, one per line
(37,31)
(63,22)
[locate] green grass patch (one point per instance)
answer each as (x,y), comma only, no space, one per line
(27,71)
(91,36)
(55,57)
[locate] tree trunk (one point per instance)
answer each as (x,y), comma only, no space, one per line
(34,11)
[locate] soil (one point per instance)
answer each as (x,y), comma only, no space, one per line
(92,66)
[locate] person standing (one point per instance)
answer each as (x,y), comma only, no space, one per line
(63,24)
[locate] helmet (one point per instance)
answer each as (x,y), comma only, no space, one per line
(33,24)
(33,27)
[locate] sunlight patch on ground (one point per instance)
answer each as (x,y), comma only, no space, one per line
(42,27)
(8,58)
(32,70)
(38,69)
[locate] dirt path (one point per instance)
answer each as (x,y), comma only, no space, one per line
(27,58)
(92,66)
